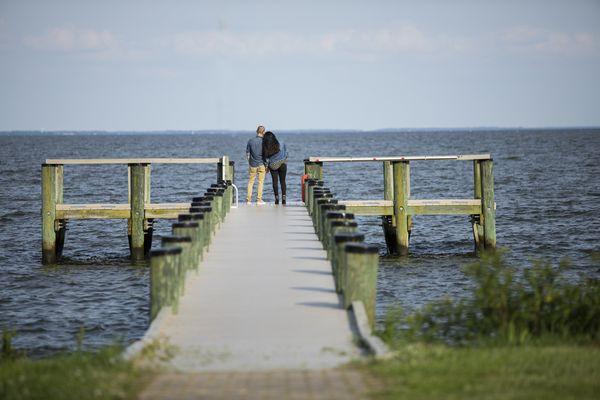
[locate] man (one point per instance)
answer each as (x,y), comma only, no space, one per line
(257,166)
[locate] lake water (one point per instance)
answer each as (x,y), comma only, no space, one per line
(547,190)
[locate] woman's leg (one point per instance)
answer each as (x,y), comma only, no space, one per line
(282,174)
(274,177)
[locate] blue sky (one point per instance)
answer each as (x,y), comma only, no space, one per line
(150,65)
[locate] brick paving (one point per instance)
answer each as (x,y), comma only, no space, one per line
(330,384)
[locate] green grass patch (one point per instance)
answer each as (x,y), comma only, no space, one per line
(436,371)
(79,375)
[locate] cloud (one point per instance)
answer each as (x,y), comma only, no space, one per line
(385,41)
(531,39)
(74,40)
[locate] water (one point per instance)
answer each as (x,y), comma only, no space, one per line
(547,191)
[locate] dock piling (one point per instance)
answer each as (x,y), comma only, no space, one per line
(360,276)
(137,218)
(49,198)
(487,204)
(314,169)
(401,195)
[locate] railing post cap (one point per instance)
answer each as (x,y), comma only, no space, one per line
(348,237)
(346,223)
(176,239)
(185,224)
(171,251)
(361,248)
(338,214)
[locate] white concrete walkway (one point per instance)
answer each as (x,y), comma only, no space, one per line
(264,299)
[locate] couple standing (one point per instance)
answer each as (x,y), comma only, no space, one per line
(264,152)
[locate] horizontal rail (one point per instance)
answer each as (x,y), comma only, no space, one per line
(464,157)
(119,211)
(100,161)
(416,207)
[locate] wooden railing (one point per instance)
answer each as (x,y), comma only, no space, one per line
(139,210)
(397,208)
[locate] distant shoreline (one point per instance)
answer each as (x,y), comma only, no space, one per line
(293,131)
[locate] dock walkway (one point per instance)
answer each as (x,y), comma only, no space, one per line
(264,299)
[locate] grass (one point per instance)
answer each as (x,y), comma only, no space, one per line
(523,333)
(79,375)
(437,371)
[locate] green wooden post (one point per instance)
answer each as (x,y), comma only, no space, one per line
(360,278)
(161,261)
(138,186)
(477,223)
(49,255)
(388,180)
(185,258)
(340,240)
(401,196)
(345,226)
(61,225)
(487,204)
(193,229)
(313,169)
(328,219)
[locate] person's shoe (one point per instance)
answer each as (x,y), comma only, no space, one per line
(260,203)
(276,199)
(283,199)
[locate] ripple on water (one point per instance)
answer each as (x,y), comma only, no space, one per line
(543,211)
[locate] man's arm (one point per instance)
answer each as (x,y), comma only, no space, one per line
(248,151)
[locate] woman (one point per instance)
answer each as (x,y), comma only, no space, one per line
(275,157)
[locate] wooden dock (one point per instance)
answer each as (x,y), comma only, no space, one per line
(263,299)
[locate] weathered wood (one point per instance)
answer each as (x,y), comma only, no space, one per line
(464,157)
(313,169)
(60,225)
(49,255)
(477,220)
(360,278)
(118,211)
(186,260)
(104,161)
(401,196)
(388,223)
(193,229)
(137,211)
(339,240)
(415,207)
(369,207)
(487,204)
(162,264)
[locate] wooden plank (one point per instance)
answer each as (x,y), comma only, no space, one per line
(415,207)
(119,211)
(166,210)
(369,207)
(444,207)
(92,211)
(101,161)
(463,157)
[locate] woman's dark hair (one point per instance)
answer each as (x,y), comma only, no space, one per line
(270,144)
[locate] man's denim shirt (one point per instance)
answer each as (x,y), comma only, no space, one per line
(254,152)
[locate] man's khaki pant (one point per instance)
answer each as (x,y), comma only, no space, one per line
(261,171)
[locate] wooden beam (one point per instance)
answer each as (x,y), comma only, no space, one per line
(369,207)
(464,157)
(119,211)
(444,207)
(415,207)
(100,161)
(166,210)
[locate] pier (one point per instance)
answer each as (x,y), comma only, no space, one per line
(397,208)
(265,288)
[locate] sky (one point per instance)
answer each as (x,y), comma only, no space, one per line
(230,65)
